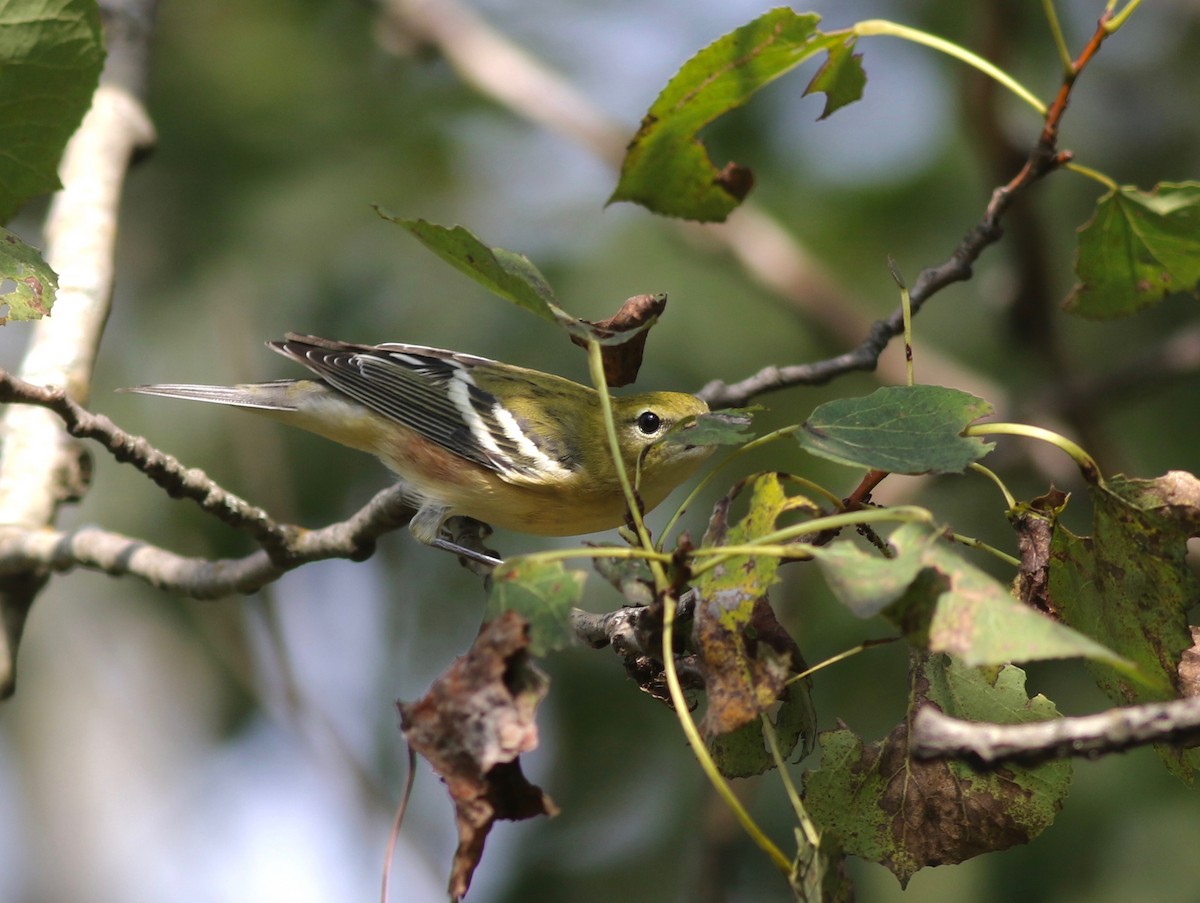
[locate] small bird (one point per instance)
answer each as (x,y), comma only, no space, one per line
(512,447)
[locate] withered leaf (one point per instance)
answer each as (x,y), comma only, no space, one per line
(472,726)
(877,802)
(623,360)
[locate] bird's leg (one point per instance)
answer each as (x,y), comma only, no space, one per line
(464,537)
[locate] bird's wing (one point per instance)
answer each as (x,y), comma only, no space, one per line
(430,391)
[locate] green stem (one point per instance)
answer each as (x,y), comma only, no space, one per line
(770,543)
(883,27)
(1060,42)
(711,475)
(1094,174)
(972,542)
(840,657)
(1087,464)
(1119,19)
(1009,499)
(707,765)
(663,587)
(596,367)
(811,834)
(550,555)
(906,309)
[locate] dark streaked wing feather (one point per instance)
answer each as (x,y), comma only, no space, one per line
(410,384)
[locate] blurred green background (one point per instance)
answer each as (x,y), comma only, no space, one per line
(248,749)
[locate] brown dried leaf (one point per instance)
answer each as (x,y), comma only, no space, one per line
(1034,526)
(1189,666)
(746,665)
(471,726)
(622,361)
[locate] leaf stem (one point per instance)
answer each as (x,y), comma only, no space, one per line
(1087,464)
(811,834)
(972,542)
(871,27)
(1009,499)
(1119,18)
(771,543)
(663,588)
(707,765)
(549,555)
(596,368)
(840,657)
(1095,174)
(772,436)
(1056,32)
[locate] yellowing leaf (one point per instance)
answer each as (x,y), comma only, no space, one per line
(746,655)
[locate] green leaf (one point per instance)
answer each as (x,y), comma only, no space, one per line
(946,604)
(746,655)
(878,803)
(727,427)
(27,284)
(666,167)
(50,59)
(899,429)
(841,78)
(510,275)
(1136,249)
(1129,586)
(543,593)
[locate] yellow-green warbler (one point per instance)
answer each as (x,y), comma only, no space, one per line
(508,446)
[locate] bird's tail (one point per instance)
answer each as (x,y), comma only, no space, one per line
(280,395)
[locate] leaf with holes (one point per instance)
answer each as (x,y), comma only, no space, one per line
(1128,585)
(27,284)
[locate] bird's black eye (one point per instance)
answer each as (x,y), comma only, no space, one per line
(649,422)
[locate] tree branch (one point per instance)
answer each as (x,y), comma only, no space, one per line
(23,551)
(936,735)
(40,467)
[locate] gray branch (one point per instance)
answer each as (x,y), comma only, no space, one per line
(23,551)
(936,735)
